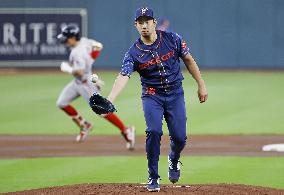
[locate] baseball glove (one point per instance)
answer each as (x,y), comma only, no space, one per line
(101,105)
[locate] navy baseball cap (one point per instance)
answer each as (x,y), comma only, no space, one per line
(144,11)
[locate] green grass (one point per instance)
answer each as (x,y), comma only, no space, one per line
(239,103)
(23,174)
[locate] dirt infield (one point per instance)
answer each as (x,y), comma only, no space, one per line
(220,189)
(57,146)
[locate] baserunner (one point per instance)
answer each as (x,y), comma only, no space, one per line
(83,54)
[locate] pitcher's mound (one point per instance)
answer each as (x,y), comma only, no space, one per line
(210,189)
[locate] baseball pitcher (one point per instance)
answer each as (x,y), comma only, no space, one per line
(156,57)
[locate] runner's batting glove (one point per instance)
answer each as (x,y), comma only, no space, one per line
(101,105)
(65,67)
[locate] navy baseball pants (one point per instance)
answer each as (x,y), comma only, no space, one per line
(171,106)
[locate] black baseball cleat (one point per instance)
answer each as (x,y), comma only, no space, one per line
(174,170)
(153,185)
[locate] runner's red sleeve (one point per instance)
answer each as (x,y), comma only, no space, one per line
(95,54)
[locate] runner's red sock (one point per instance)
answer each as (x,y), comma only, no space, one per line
(70,110)
(112,118)
(76,117)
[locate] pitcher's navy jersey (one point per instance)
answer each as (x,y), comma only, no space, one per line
(158,64)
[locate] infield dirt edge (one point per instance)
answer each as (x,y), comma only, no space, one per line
(116,188)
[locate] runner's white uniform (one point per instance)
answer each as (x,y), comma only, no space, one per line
(80,59)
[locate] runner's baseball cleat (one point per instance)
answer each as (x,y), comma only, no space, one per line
(174,170)
(153,185)
(84,132)
(130,135)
